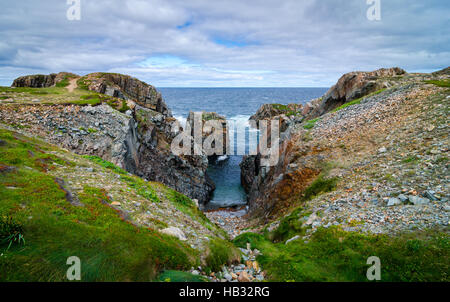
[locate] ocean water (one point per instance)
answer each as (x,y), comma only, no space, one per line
(237,105)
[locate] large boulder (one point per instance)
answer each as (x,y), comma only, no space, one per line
(355,85)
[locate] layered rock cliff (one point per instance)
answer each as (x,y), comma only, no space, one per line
(138,140)
(375,142)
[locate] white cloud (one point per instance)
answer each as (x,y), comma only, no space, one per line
(264,43)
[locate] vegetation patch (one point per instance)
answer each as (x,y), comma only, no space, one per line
(440,83)
(358,101)
(335,255)
(310,124)
(105,164)
(179,276)
(34,208)
(221,253)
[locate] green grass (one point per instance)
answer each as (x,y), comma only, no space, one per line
(335,255)
(310,124)
(110,248)
(411,159)
(178,276)
(105,164)
(440,83)
(318,186)
(83,83)
(220,252)
(358,101)
(285,109)
(65,81)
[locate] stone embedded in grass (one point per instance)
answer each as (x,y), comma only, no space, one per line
(292,239)
(176,232)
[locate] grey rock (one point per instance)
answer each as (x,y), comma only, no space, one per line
(403,198)
(418,201)
(292,239)
(393,202)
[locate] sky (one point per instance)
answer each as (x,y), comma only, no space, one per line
(232,43)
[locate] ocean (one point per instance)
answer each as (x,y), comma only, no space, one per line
(237,105)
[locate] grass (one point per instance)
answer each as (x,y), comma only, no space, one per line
(178,276)
(110,248)
(411,159)
(221,252)
(440,83)
(335,255)
(358,101)
(285,109)
(105,164)
(65,81)
(310,124)
(318,186)
(292,224)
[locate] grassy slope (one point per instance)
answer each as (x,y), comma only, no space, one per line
(109,246)
(60,95)
(335,255)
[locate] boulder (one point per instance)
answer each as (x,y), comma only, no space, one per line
(418,201)
(355,85)
(394,202)
(176,232)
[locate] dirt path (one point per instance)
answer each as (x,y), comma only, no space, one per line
(72,85)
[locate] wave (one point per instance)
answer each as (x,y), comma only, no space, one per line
(243,137)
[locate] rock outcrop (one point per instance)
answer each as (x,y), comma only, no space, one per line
(126,87)
(355,85)
(208,130)
(138,141)
(40,80)
(321,149)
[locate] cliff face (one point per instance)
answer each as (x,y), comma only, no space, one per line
(40,80)
(371,154)
(138,141)
(126,87)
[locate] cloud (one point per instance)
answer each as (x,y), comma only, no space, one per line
(223,43)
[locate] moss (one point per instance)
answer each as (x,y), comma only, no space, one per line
(335,255)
